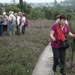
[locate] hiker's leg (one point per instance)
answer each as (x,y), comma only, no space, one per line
(20,29)
(62,61)
(55,58)
(13,30)
(23,29)
(62,57)
(3,28)
(8,28)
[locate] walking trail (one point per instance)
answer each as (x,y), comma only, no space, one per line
(45,63)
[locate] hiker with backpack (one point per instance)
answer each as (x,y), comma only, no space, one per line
(22,22)
(58,35)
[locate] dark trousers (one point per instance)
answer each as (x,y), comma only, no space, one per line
(17,28)
(23,29)
(59,56)
(4,28)
(1,29)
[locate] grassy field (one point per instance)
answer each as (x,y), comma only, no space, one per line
(19,54)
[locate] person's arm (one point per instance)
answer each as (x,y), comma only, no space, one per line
(51,35)
(71,34)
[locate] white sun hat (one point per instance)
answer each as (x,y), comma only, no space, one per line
(4,13)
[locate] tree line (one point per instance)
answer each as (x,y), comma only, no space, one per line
(39,12)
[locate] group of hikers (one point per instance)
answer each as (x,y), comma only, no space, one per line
(12,23)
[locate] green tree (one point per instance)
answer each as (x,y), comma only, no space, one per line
(55,14)
(13,8)
(69,16)
(55,2)
(21,5)
(34,14)
(1,4)
(26,8)
(48,13)
(0,11)
(72,2)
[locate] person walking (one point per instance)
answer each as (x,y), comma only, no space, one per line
(5,23)
(18,22)
(12,23)
(22,27)
(58,18)
(1,27)
(59,53)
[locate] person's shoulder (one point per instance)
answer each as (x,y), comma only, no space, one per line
(66,25)
(55,24)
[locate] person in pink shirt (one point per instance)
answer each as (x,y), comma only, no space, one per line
(59,54)
(58,18)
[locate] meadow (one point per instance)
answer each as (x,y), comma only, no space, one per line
(19,54)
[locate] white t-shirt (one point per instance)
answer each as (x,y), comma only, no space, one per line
(23,21)
(18,20)
(5,20)
(11,17)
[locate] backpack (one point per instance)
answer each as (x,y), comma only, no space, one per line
(26,23)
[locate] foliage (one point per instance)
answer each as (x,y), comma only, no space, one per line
(42,15)
(1,5)
(41,11)
(0,11)
(69,16)
(26,8)
(13,8)
(55,13)
(21,5)
(55,2)
(20,53)
(34,14)
(47,12)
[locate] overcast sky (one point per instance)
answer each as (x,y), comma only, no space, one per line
(9,1)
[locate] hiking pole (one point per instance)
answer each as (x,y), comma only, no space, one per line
(72,54)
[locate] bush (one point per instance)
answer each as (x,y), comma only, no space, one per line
(0,11)
(69,16)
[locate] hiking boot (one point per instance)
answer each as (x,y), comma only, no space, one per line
(62,71)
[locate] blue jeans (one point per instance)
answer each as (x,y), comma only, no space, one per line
(1,29)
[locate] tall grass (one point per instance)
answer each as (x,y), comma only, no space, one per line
(19,54)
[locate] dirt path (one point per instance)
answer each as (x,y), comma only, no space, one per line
(45,62)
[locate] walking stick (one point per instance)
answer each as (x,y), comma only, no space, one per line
(72,53)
